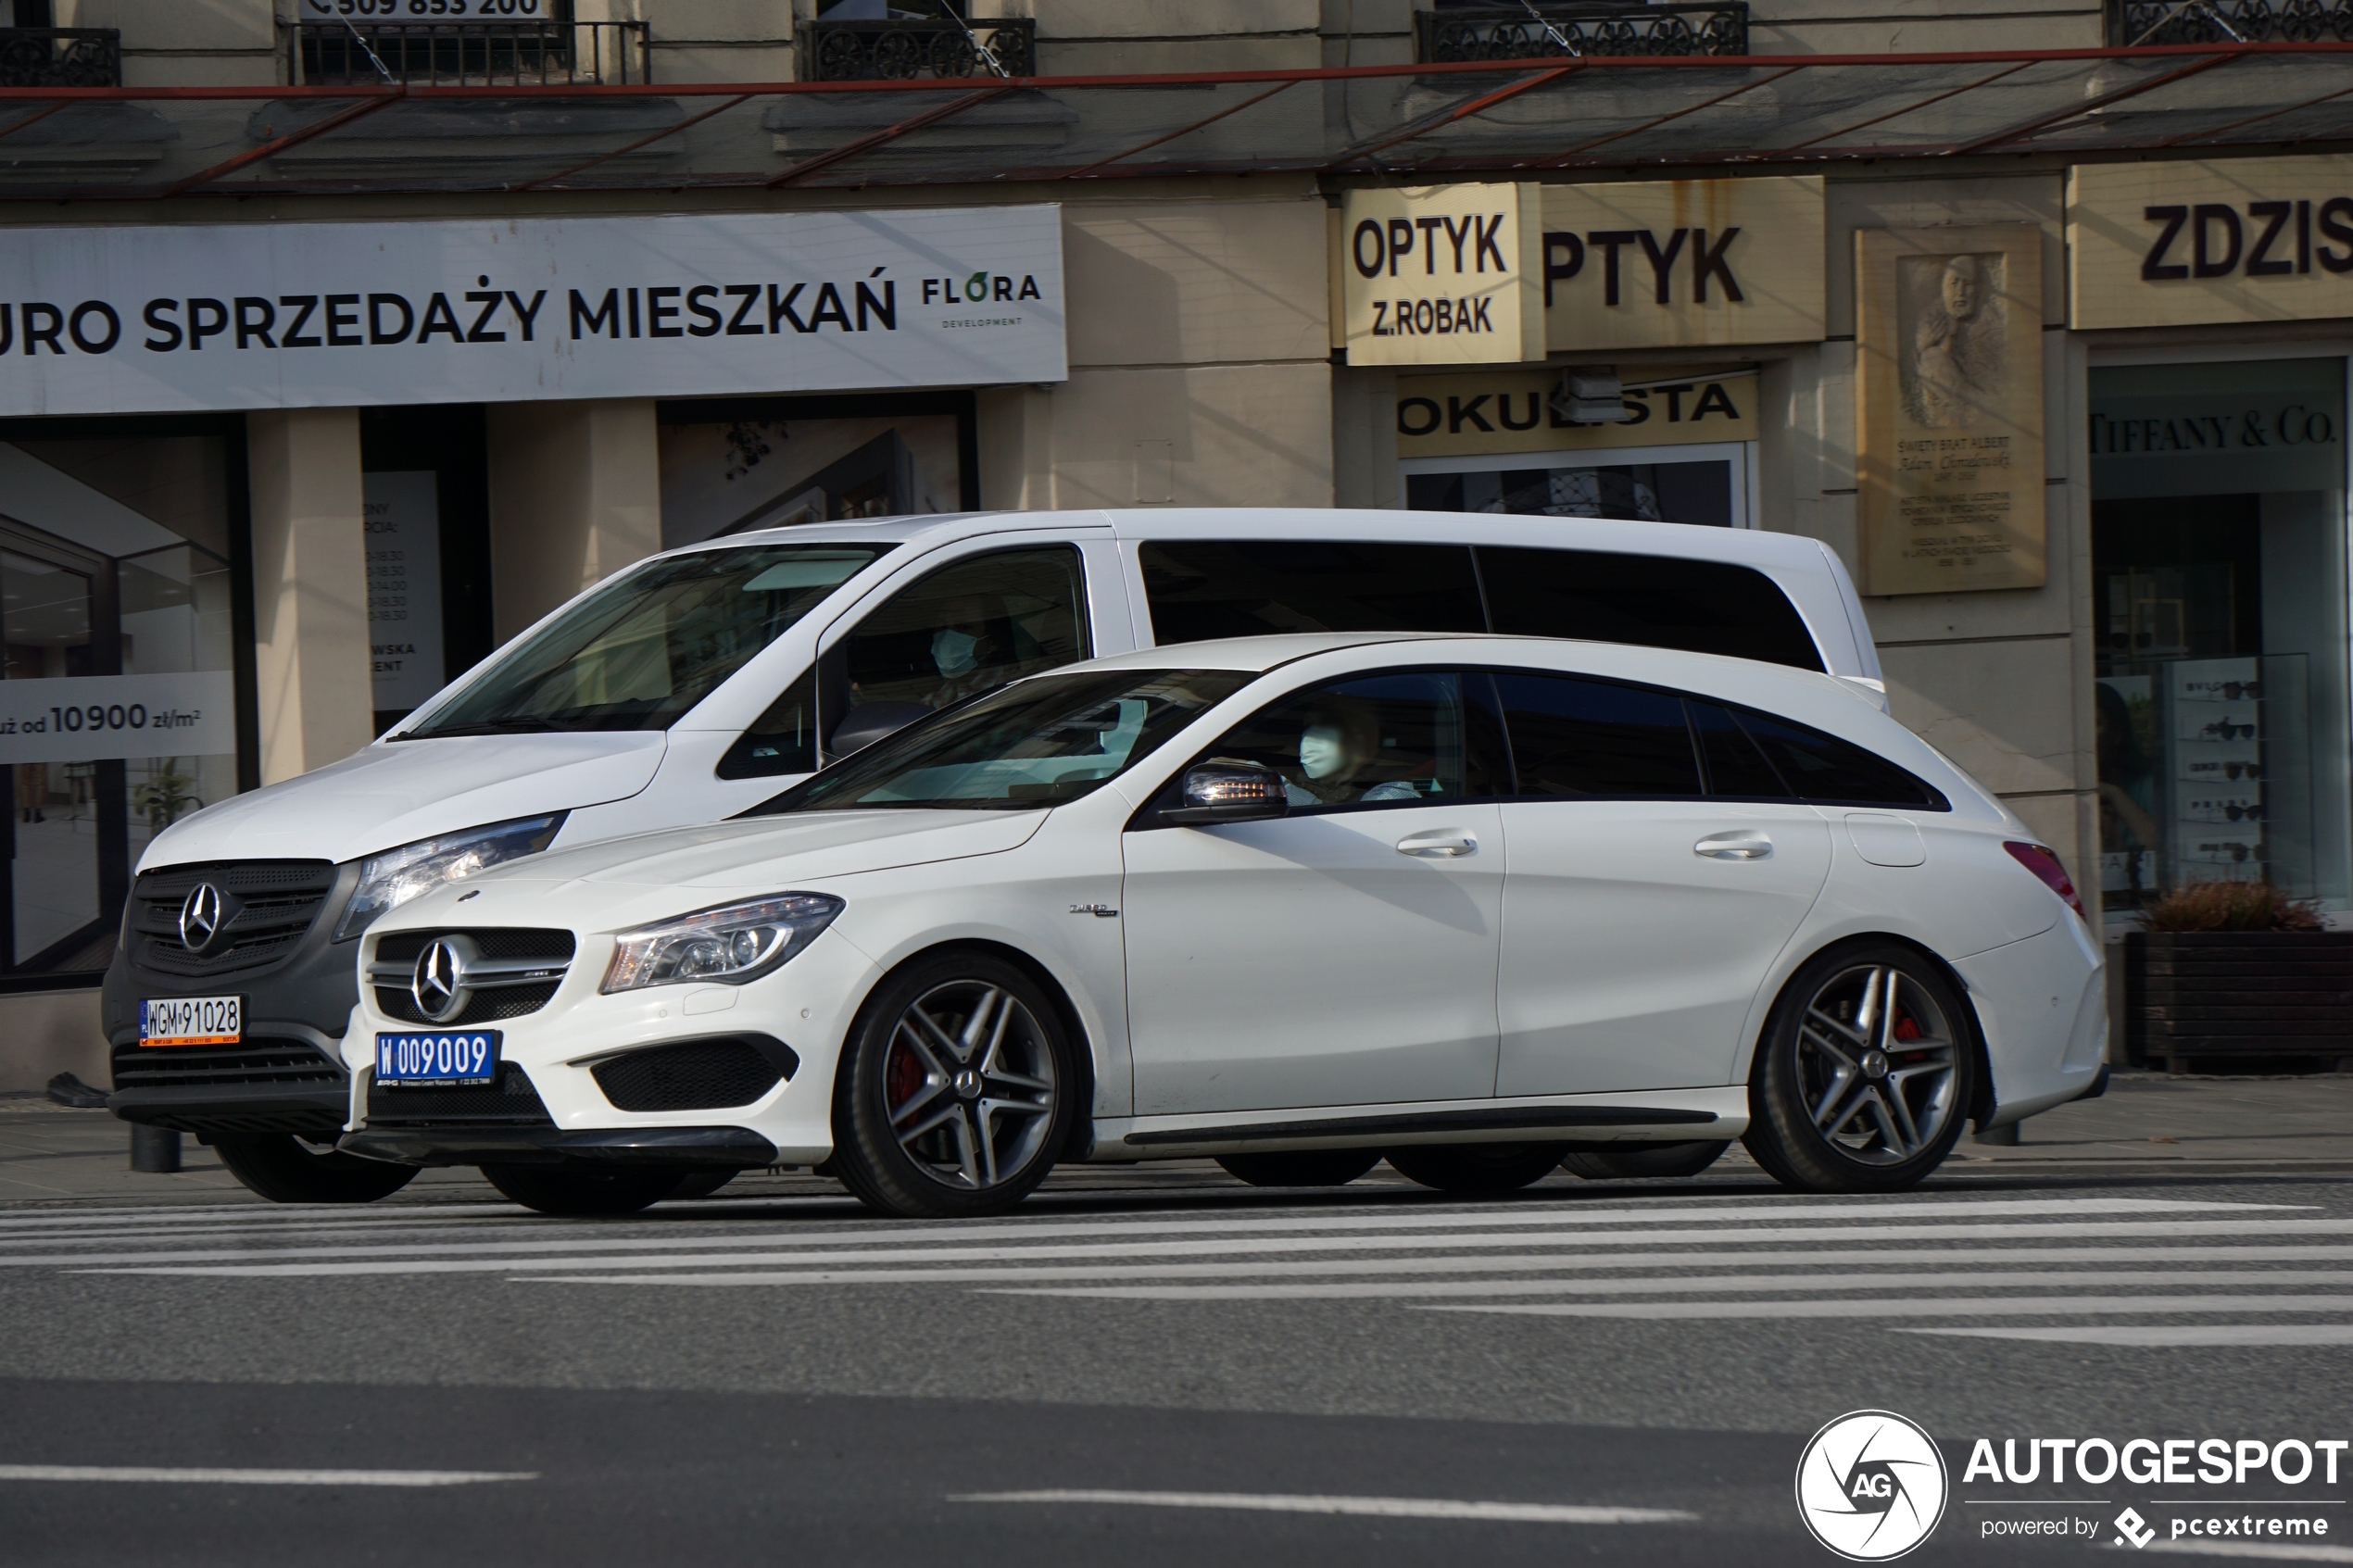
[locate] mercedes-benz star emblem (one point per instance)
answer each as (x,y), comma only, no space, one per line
(200,917)
(439,987)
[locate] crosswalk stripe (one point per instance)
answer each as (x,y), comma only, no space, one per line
(2165,1335)
(1914,1306)
(1358,1241)
(182,1474)
(1376,1508)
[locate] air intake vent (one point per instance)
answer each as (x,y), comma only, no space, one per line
(510,1101)
(255,1061)
(699,1075)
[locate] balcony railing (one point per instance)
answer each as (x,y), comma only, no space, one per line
(2244,21)
(1508,32)
(467,54)
(904,49)
(60,56)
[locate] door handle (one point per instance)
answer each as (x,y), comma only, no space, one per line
(1748,844)
(1438,844)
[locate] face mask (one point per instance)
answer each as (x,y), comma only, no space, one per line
(952,651)
(1319,751)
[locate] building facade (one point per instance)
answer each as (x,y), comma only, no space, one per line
(318,381)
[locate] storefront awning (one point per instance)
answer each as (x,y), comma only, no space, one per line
(1511,119)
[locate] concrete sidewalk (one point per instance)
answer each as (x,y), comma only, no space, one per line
(2148,1124)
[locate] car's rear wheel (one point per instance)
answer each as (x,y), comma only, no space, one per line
(1301,1168)
(1864,1075)
(1644,1162)
(583,1190)
(955,1097)
(284,1169)
(1476,1167)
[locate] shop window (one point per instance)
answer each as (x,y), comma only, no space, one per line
(2218,598)
(730,466)
(119,706)
(426,488)
(1705,484)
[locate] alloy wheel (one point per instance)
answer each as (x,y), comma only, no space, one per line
(969,1085)
(1878,1064)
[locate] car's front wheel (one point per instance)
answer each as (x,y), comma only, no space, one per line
(1864,1075)
(1301,1168)
(577,1190)
(1476,1167)
(955,1093)
(284,1169)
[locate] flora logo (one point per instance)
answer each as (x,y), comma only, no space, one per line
(1871,1485)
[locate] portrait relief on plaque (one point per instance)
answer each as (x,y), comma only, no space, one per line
(1949,370)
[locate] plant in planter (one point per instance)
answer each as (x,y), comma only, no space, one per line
(2237,970)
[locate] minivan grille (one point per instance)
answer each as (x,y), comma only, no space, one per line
(255,1061)
(270,905)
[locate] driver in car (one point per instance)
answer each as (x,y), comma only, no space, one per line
(1338,747)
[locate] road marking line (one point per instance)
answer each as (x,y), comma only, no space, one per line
(1357,1241)
(260,1477)
(1914,1306)
(2159,1335)
(2283,1553)
(1702,1284)
(1379,1508)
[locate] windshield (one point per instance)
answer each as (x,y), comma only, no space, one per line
(1040,742)
(641,650)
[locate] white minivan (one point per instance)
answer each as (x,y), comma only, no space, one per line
(701,681)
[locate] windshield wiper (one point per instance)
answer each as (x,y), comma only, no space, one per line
(518,724)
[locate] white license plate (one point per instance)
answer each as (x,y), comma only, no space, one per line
(192,1020)
(460,1056)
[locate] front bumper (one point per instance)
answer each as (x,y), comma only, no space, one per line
(314,1110)
(603,1145)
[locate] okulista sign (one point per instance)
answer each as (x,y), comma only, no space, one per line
(255,316)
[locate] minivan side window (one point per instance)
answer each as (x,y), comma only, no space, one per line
(1398,738)
(783,740)
(967,628)
(1578,737)
(1202,589)
(1650,601)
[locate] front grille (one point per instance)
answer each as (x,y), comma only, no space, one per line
(490,1004)
(255,1061)
(699,1075)
(273,903)
(510,1101)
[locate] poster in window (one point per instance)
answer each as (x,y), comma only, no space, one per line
(1949,400)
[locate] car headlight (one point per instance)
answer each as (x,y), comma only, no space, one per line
(731,944)
(391,879)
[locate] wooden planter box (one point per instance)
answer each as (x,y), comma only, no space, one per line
(2197,994)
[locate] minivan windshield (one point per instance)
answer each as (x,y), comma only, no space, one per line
(1037,743)
(641,650)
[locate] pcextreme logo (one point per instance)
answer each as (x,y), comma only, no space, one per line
(1871,1485)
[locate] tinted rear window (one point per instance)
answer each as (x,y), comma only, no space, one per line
(1653,601)
(1572,736)
(1204,589)
(1831,772)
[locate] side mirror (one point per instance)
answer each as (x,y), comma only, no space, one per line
(870,721)
(1229,792)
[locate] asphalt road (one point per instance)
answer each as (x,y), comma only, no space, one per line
(1375,1375)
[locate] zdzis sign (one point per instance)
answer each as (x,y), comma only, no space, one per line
(2174,244)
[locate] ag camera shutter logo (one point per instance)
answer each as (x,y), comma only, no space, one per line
(1871,1485)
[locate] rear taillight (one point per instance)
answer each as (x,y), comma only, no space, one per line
(2045,863)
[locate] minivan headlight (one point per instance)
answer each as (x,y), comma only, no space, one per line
(731,944)
(391,879)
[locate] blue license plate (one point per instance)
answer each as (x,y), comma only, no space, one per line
(462,1056)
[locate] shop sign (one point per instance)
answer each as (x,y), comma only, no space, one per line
(2172,244)
(1443,275)
(2222,440)
(103,718)
(403,524)
(1511,411)
(1949,403)
(1683,263)
(124,320)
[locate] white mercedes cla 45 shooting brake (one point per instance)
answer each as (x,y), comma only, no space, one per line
(1475,905)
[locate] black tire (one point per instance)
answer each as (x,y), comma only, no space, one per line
(1892,1086)
(952,1116)
(584,1189)
(703,1183)
(1301,1168)
(1644,1162)
(284,1169)
(1476,1167)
